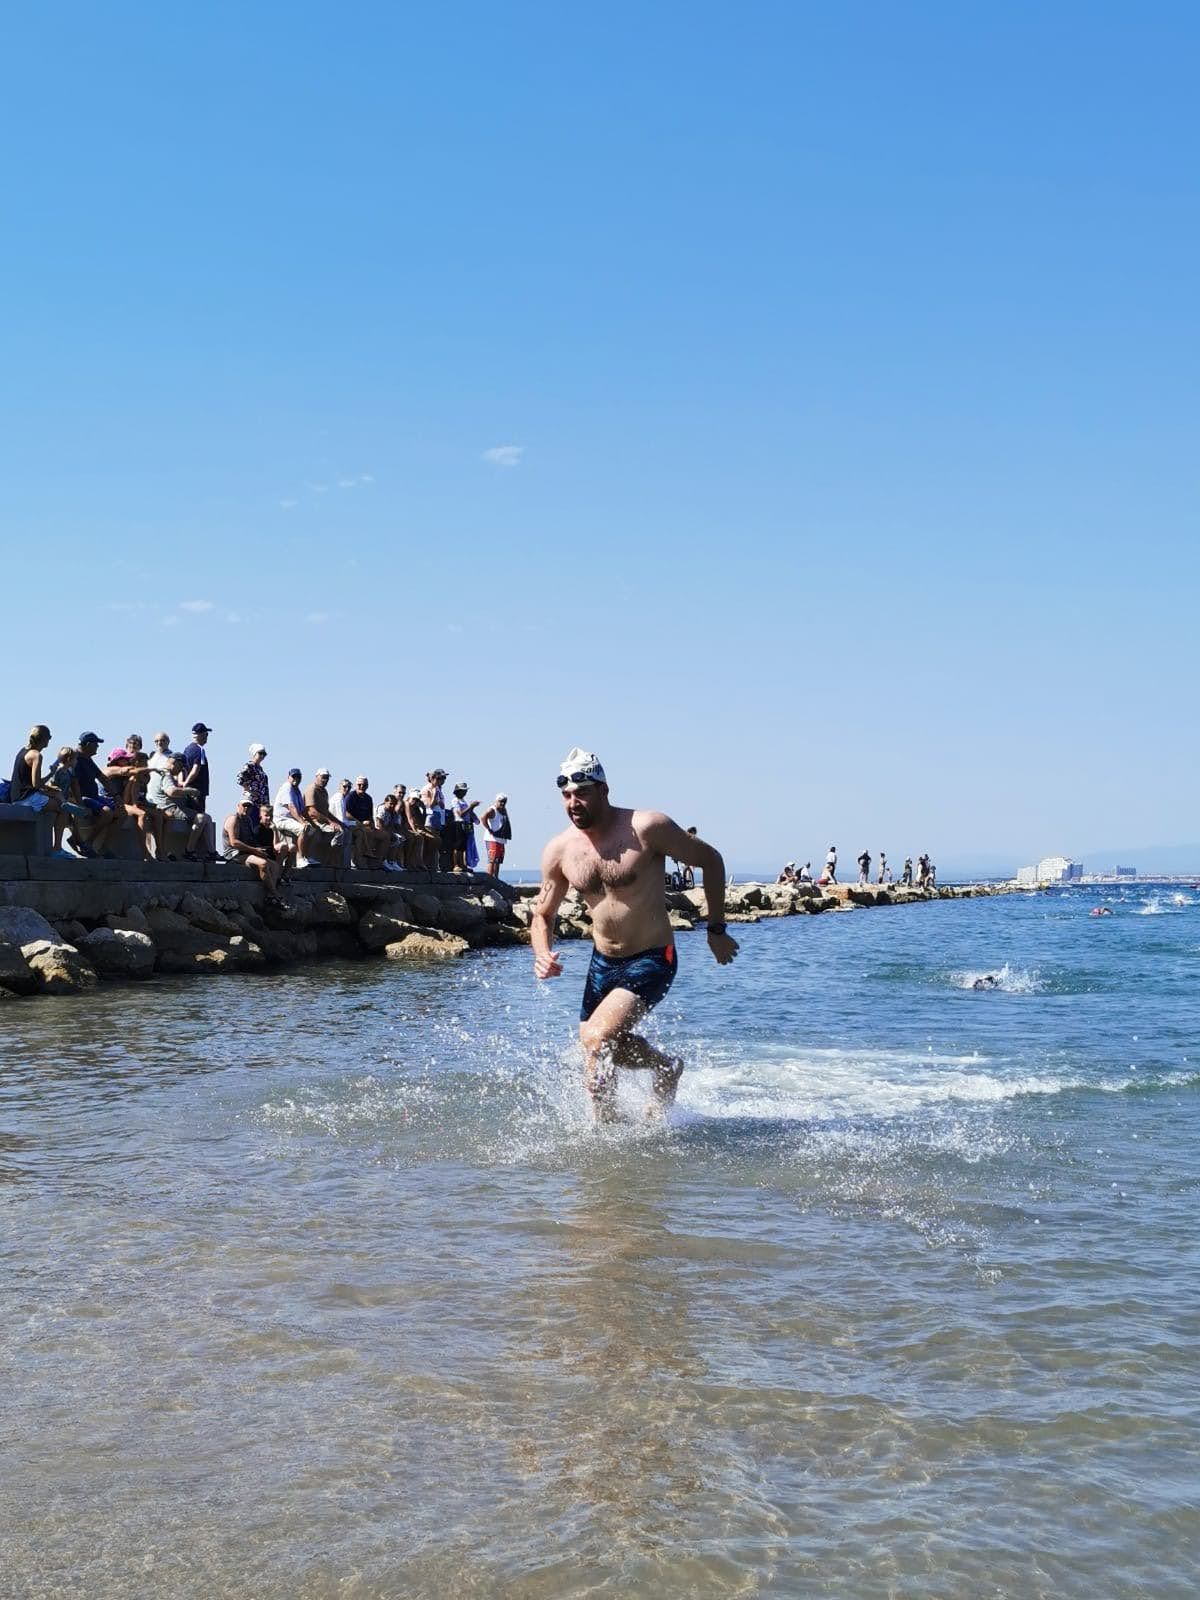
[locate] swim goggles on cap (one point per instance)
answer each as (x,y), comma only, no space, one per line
(564,778)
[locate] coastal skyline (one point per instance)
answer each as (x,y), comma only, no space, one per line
(796,409)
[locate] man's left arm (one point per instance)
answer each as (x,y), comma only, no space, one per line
(669,839)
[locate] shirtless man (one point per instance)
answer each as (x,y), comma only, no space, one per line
(615,859)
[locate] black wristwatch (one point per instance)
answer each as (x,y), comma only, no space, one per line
(716,927)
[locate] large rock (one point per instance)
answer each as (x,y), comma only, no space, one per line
(174,936)
(423,908)
(380,928)
(339,942)
(679,922)
(495,905)
(132,920)
(465,916)
(331,910)
(20,926)
(16,975)
(285,944)
(60,969)
(425,946)
(203,914)
(119,952)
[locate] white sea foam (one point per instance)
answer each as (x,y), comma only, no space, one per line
(1156,906)
(1012,980)
(820,1086)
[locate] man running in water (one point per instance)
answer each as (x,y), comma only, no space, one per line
(616,859)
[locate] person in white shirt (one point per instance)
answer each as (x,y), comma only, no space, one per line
(287,817)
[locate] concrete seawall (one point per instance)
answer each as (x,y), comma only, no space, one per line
(66,925)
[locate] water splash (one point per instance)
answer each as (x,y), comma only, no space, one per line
(1008,979)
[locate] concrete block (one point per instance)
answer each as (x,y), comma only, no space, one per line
(13,867)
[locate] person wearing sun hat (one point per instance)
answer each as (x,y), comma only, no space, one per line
(615,858)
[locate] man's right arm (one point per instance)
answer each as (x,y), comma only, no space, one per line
(541,929)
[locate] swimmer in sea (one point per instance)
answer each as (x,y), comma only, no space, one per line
(988,981)
(615,859)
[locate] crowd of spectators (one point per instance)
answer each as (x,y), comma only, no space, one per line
(164,798)
(926,871)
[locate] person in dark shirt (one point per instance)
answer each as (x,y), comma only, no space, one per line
(373,842)
(92,836)
(195,776)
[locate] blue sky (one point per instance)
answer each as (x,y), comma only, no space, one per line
(796,404)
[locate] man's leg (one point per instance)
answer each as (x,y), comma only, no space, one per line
(609,1042)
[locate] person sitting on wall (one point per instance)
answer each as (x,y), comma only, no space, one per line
(373,842)
(331,831)
(92,833)
(29,785)
(289,819)
(241,843)
(168,794)
(389,840)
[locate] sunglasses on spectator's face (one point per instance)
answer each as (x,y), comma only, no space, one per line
(576,779)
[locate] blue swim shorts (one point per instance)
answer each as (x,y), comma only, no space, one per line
(648,975)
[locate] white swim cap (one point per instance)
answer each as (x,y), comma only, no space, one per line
(580,767)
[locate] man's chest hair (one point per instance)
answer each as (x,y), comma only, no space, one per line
(615,866)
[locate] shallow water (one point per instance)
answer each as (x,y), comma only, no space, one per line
(322,1284)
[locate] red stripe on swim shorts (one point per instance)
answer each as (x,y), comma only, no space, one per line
(669,952)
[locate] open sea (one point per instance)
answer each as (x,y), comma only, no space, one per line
(322,1285)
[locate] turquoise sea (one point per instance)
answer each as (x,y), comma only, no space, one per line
(321,1284)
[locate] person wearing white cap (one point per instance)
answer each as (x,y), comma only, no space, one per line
(253,780)
(499,831)
(615,858)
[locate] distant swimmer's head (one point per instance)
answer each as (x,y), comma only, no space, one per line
(584,788)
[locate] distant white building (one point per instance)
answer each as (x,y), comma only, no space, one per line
(1057,869)
(1027,877)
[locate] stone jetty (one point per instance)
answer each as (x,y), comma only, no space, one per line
(66,926)
(754,902)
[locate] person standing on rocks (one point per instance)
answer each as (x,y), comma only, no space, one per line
(906,875)
(615,859)
(498,828)
(864,868)
(883,869)
(830,873)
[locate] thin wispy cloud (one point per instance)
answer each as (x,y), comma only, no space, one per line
(286,505)
(195,605)
(504,455)
(317,488)
(233,616)
(317,617)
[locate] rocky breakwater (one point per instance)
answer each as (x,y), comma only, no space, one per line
(754,902)
(142,928)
